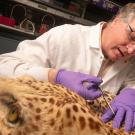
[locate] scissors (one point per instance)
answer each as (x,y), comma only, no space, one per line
(87,84)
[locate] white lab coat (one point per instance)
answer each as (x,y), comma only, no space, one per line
(72,47)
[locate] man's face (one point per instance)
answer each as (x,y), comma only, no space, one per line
(118,40)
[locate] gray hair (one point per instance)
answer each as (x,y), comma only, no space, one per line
(127,12)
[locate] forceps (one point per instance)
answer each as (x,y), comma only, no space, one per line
(87,84)
(107,101)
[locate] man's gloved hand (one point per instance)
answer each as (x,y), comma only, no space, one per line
(124,108)
(75,80)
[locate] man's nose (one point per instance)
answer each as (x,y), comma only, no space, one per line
(131,48)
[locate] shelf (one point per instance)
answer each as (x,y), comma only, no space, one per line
(122,2)
(54,11)
(56,7)
(15,31)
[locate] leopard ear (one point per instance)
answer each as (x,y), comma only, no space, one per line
(26,78)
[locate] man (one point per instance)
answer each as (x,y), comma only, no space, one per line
(73,55)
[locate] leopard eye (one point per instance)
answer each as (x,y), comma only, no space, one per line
(13,115)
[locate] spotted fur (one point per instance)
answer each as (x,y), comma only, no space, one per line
(99,106)
(30,107)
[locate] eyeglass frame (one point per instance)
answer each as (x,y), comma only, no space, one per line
(131,30)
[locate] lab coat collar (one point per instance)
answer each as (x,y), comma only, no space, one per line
(95,37)
(115,69)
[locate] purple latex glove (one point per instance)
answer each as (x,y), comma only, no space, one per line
(124,108)
(74,81)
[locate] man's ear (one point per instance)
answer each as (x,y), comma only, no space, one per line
(116,20)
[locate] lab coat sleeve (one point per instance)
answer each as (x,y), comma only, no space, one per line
(32,57)
(26,60)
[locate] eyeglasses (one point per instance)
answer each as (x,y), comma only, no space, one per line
(132,33)
(130,28)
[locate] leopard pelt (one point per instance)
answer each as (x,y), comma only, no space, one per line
(31,107)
